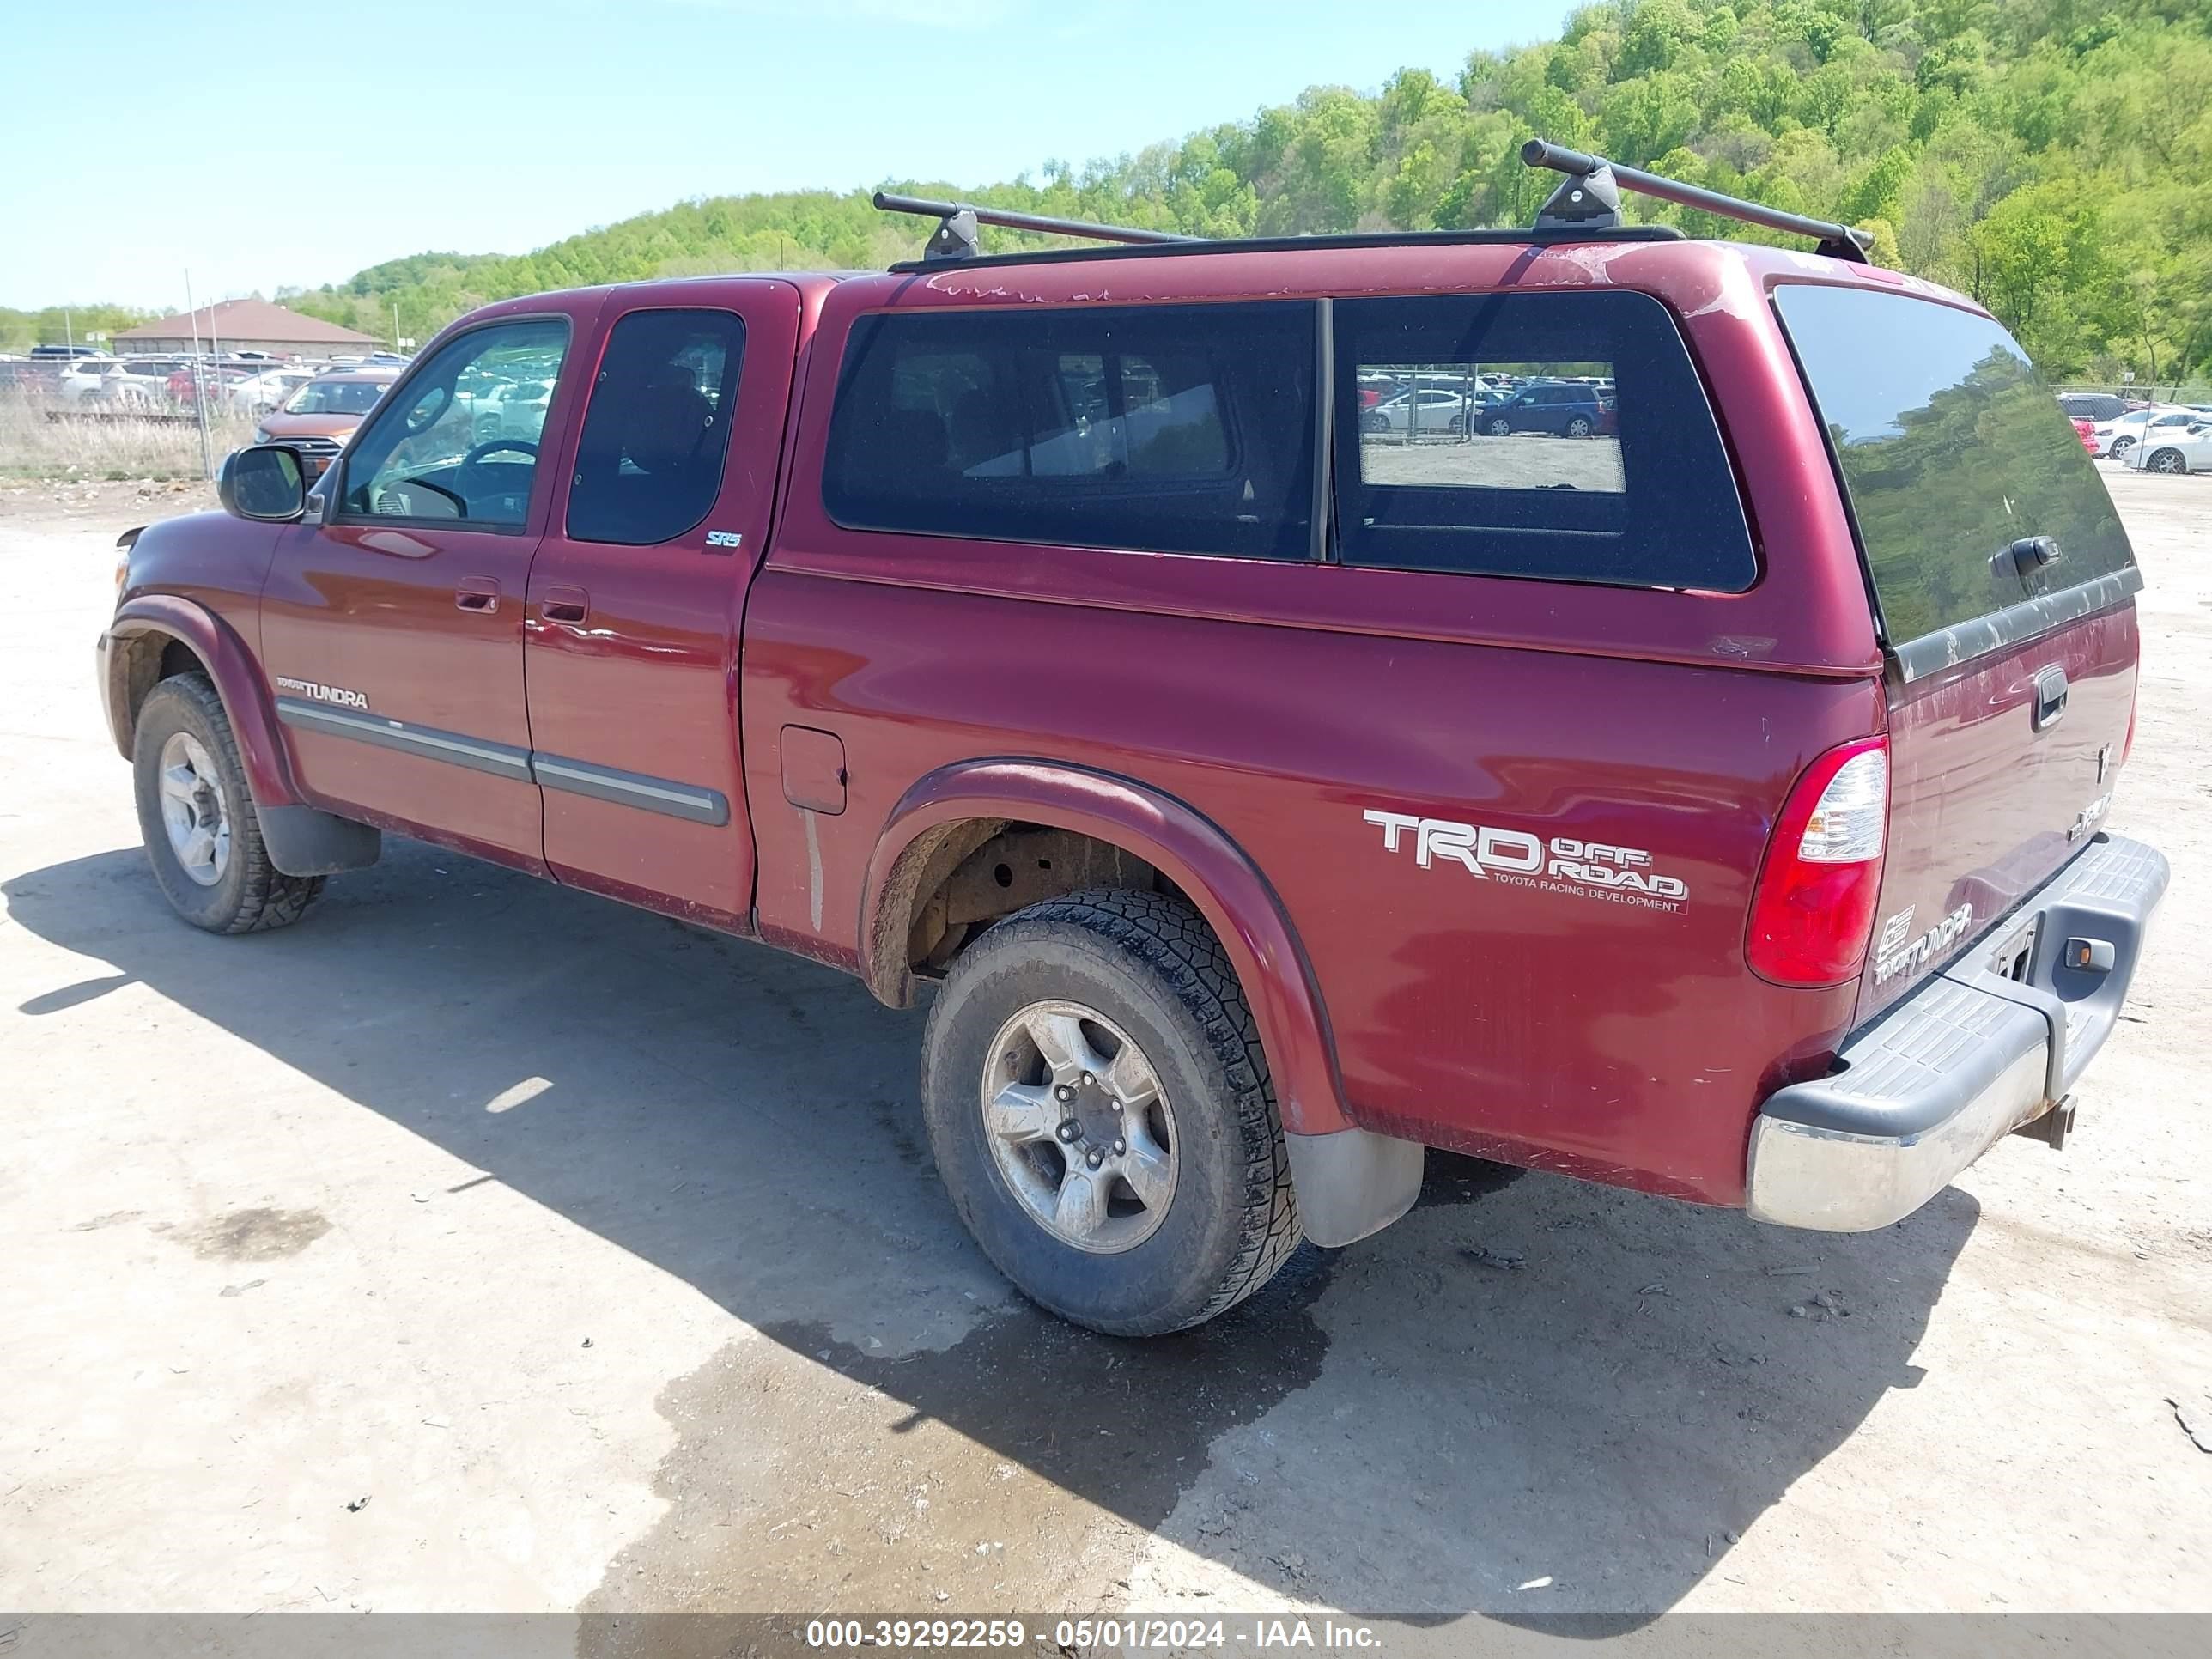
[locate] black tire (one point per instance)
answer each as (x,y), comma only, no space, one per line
(1150,964)
(252,895)
(1457,426)
(2165,461)
(1499,427)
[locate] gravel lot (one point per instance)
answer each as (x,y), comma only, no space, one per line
(1527,460)
(479,1245)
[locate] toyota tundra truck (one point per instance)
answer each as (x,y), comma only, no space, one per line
(1714,806)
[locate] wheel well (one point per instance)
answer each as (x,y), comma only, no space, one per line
(138,663)
(955,879)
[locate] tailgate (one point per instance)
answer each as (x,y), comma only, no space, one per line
(2002,583)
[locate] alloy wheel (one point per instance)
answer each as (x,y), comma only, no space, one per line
(1078,1127)
(194,810)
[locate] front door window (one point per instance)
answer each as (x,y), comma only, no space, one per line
(430,453)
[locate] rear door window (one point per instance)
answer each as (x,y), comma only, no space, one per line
(1951,449)
(1562,436)
(649,463)
(1168,429)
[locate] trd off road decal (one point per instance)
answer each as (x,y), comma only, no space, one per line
(321,693)
(1583,869)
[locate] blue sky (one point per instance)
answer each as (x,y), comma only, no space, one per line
(260,145)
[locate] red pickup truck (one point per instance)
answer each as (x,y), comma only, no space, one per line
(1711,806)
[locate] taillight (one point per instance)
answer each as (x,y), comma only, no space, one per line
(2127,743)
(1812,912)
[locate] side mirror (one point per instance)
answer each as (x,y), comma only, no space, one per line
(264,483)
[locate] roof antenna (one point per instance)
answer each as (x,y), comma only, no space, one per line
(1596,174)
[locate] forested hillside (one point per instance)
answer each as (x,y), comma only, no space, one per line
(2053,158)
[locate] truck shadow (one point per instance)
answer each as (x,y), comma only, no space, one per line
(1529,1398)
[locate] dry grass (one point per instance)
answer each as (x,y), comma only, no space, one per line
(101,445)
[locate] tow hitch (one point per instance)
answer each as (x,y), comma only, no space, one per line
(2052,1127)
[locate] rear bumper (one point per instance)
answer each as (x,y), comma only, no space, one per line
(1967,1058)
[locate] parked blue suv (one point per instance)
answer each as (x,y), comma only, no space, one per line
(1563,408)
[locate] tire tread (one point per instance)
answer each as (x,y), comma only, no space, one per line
(268,898)
(1168,937)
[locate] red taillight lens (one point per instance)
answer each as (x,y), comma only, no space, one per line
(1812,912)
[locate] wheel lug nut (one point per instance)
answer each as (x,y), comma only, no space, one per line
(1117,1109)
(1063,1094)
(1068,1131)
(1088,1079)
(1120,1147)
(1096,1158)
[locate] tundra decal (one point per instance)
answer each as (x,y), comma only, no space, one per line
(321,693)
(1895,952)
(1585,869)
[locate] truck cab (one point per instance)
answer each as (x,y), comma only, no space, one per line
(1259,794)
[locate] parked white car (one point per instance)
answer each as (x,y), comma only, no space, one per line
(140,382)
(2116,437)
(80,382)
(2171,449)
(516,409)
(1440,411)
(266,392)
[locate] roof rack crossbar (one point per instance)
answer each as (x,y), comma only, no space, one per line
(955,237)
(1837,241)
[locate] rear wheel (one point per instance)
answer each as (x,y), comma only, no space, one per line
(1101,1113)
(2166,460)
(201,833)
(1579,427)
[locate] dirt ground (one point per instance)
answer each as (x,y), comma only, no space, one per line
(479,1245)
(1527,460)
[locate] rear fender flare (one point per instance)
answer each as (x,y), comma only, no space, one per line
(237,680)
(1183,845)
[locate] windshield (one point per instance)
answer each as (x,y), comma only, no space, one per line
(335,398)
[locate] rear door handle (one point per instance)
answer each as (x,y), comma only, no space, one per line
(565,604)
(478,593)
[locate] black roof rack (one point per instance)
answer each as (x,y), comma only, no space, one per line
(955,237)
(1589,200)
(1546,238)
(1587,205)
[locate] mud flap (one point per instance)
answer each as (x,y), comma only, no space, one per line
(303,841)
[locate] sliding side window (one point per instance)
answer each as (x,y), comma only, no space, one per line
(1162,428)
(1562,436)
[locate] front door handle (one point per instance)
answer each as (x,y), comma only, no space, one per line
(478,593)
(565,604)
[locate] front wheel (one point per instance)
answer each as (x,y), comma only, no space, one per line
(2166,460)
(201,833)
(1499,427)
(2120,447)
(1101,1112)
